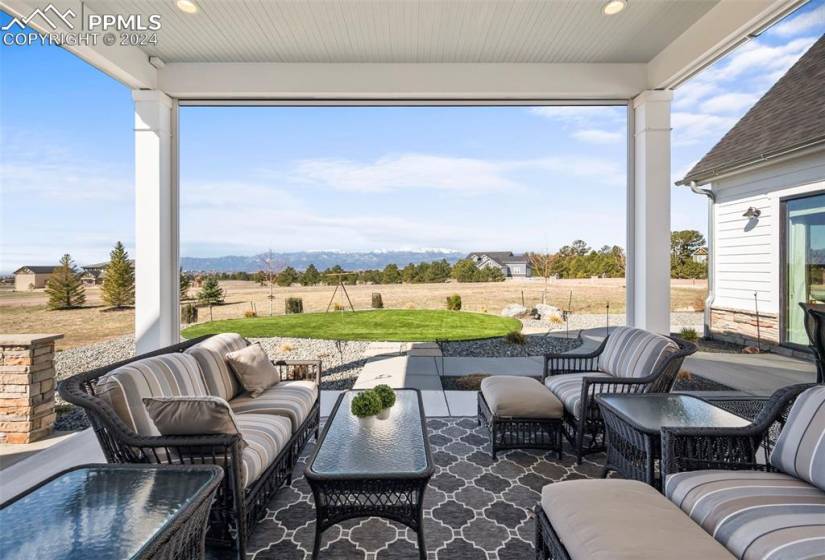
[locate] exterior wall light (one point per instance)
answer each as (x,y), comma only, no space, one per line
(613,7)
(752,213)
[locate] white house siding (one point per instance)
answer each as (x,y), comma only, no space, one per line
(747,256)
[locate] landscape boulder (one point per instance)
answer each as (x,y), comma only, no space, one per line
(549,313)
(514,310)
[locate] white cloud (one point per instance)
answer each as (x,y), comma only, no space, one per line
(692,128)
(579,114)
(406,171)
(801,23)
(597,136)
(689,94)
(729,103)
(757,56)
(55,172)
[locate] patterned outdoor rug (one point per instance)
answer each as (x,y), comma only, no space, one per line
(475,508)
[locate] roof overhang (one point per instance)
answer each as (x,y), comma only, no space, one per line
(717,28)
(762,160)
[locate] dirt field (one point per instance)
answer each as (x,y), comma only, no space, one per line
(26,312)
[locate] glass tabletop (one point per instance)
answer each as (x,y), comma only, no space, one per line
(356,447)
(96,512)
(652,412)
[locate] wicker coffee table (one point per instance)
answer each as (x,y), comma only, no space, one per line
(112,512)
(363,468)
(633,424)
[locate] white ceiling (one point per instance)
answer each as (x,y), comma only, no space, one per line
(511,31)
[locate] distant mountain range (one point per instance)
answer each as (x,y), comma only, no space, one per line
(321,260)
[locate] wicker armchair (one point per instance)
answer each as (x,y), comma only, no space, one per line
(815,329)
(586,431)
(692,449)
(236,509)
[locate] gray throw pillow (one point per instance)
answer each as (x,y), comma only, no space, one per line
(253,369)
(186,416)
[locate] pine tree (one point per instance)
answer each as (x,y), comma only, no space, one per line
(311,276)
(119,279)
(211,292)
(64,288)
(185,284)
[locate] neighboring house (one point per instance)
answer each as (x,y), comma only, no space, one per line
(93,274)
(512,266)
(700,256)
(766,184)
(32,277)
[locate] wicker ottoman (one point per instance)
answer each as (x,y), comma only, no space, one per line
(520,413)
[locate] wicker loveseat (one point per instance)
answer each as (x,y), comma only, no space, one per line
(720,500)
(273,426)
(629,360)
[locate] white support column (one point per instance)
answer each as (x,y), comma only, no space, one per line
(649,246)
(157,322)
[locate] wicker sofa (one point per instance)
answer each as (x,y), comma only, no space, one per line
(720,500)
(273,426)
(629,360)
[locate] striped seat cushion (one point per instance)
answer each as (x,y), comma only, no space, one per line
(292,399)
(211,356)
(634,353)
(770,516)
(168,375)
(800,449)
(568,389)
(265,436)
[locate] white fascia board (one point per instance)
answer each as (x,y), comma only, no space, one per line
(720,30)
(227,81)
(127,64)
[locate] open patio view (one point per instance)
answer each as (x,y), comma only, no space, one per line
(272,366)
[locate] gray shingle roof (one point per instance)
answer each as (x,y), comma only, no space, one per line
(35,269)
(497,256)
(791,115)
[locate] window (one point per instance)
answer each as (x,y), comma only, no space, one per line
(804,261)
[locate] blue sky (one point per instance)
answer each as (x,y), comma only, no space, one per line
(347,178)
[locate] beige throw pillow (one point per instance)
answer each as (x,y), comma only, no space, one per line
(186,416)
(253,369)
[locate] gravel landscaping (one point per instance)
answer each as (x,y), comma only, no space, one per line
(535,345)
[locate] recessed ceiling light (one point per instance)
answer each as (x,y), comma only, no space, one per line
(613,7)
(187,6)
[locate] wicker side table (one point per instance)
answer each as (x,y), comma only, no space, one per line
(633,426)
(112,512)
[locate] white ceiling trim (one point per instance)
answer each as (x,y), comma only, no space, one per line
(402,81)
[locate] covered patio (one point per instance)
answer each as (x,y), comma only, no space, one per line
(413,52)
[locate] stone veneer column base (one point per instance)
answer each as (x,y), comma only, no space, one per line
(27,386)
(739,327)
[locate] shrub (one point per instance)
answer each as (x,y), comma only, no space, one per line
(454,302)
(471,382)
(249,314)
(367,403)
(338,307)
(377,301)
(689,333)
(386,394)
(189,314)
(409,305)
(294,305)
(516,337)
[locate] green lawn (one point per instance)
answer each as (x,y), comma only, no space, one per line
(387,324)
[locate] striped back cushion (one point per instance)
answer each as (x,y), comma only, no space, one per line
(168,375)
(800,449)
(633,352)
(211,356)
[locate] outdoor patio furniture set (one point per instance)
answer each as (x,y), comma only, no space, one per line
(614,398)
